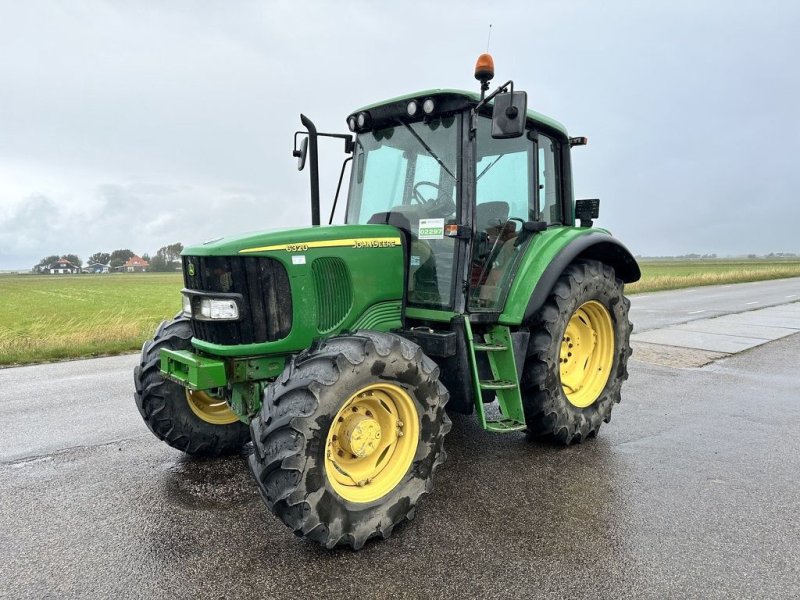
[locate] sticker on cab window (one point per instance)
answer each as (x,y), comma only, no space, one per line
(431,229)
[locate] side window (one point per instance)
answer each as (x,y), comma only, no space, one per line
(548,179)
(504,178)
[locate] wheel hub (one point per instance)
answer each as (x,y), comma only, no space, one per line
(587,353)
(361,435)
(372,442)
(210,408)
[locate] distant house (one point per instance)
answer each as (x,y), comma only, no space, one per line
(63,267)
(135,264)
(97,268)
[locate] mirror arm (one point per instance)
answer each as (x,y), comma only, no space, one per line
(314,170)
(349,144)
(338,187)
(474,113)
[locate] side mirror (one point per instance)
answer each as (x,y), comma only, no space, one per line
(301,154)
(508,116)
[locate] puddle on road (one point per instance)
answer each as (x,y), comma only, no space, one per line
(209,483)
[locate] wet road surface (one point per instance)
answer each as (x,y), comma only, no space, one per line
(691,490)
(658,309)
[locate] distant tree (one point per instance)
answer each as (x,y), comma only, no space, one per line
(119,257)
(159,264)
(45,263)
(146,257)
(73,258)
(100,258)
(171,255)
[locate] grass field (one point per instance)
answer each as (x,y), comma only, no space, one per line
(48,317)
(51,317)
(673,274)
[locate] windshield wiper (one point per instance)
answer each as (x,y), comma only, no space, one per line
(489,166)
(428,149)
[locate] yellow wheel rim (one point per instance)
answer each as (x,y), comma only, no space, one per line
(211,409)
(587,353)
(372,442)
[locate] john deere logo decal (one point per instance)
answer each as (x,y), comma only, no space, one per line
(191,269)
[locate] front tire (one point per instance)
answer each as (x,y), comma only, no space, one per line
(349,436)
(577,355)
(193,422)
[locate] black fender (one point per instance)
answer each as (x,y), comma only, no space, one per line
(595,246)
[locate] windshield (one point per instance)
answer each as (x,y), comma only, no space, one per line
(407,175)
(403,166)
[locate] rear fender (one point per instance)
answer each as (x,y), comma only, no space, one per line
(532,286)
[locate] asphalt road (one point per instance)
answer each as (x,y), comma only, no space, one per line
(692,490)
(659,309)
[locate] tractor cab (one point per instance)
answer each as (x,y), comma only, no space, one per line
(466,200)
(468,178)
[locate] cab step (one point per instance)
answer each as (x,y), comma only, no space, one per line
(482,347)
(497,384)
(499,351)
(504,426)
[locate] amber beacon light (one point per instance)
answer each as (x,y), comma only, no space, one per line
(484,68)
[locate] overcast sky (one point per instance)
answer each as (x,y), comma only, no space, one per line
(136,124)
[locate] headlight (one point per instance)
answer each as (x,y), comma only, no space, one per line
(428,106)
(411,108)
(187,306)
(213,309)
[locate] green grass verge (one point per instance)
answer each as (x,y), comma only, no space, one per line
(673,274)
(52,317)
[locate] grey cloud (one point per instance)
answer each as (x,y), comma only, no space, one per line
(148,123)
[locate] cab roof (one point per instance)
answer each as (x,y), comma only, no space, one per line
(468,96)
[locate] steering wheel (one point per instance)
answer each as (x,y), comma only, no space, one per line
(441,205)
(417,195)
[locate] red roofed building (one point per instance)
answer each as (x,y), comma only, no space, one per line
(62,266)
(135,264)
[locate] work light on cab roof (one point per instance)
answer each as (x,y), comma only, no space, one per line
(464,274)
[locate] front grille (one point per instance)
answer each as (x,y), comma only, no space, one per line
(266,312)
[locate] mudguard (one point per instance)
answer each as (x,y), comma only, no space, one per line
(548,256)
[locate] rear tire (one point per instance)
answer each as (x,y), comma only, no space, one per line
(164,404)
(586,290)
(310,402)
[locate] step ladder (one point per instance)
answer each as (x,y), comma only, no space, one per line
(499,350)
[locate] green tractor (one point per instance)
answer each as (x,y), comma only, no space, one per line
(459,283)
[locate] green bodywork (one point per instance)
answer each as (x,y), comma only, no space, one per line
(349,277)
(373,284)
(367,293)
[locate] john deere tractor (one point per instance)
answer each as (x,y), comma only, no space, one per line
(465,279)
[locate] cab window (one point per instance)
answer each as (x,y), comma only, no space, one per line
(549,183)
